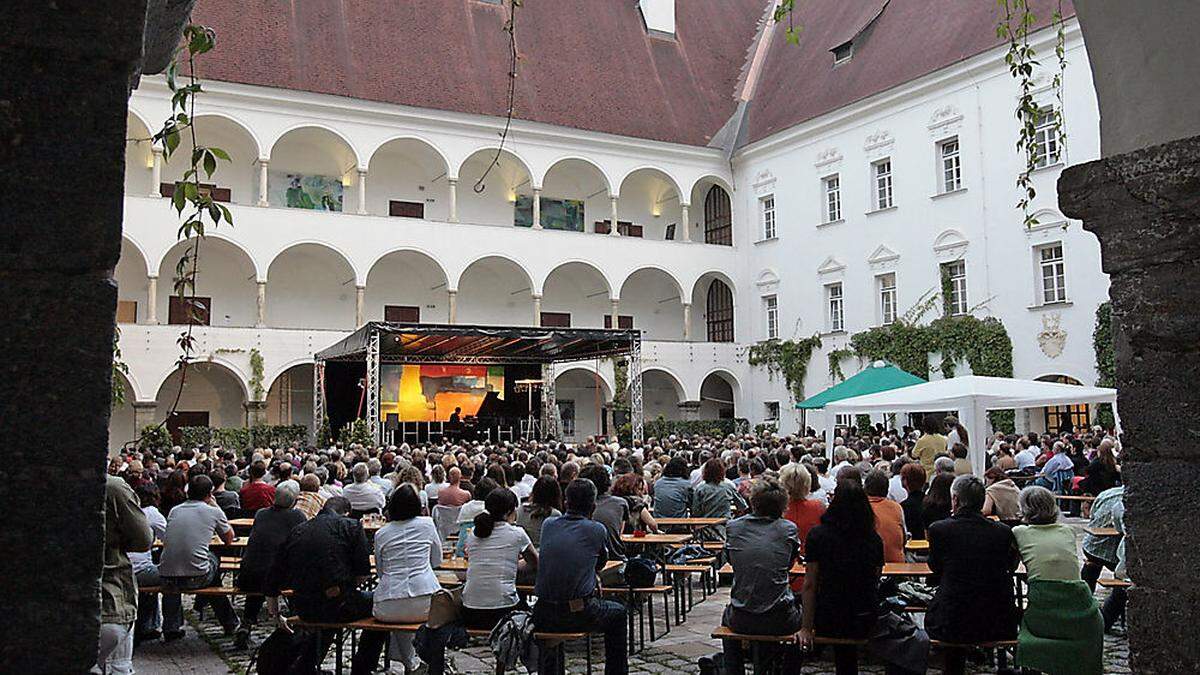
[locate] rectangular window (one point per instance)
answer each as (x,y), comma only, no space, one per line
(771,311)
(624,321)
(837,321)
(556,319)
(184,311)
(951,165)
(402,209)
(954,278)
(1054,273)
(401,314)
(887,298)
(127,311)
(771,412)
(1047,143)
(843,420)
(767,206)
(882,171)
(833,198)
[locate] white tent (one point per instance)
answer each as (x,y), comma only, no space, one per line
(972,396)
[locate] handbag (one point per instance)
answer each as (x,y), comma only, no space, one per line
(444,607)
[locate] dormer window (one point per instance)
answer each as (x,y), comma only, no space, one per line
(843,53)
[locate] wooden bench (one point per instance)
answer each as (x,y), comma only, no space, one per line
(680,576)
(634,600)
(1000,647)
(1115,583)
(761,663)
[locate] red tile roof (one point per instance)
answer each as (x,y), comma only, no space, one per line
(584,64)
(910,38)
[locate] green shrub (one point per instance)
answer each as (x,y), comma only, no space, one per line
(154,437)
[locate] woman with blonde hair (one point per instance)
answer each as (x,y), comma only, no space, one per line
(804,512)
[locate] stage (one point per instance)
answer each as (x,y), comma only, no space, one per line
(497,381)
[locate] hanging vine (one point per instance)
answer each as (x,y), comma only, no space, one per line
(835,362)
(788,358)
(256,374)
(1106,365)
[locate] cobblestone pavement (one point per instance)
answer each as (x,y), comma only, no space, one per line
(207,651)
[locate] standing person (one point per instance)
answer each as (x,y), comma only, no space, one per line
(407,549)
(843,562)
(125,531)
(573,551)
(957,433)
(544,502)
(323,561)
(973,560)
(271,528)
(188,563)
(258,493)
(761,547)
(889,516)
(930,444)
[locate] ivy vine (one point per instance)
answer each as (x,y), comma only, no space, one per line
(256,374)
(788,358)
(1106,365)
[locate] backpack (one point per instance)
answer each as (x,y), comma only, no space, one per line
(512,641)
(285,653)
(640,572)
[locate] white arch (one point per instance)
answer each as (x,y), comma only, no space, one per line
(132,387)
(358,278)
(541,180)
(238,374)
(318,125)
(242,125)
(672,277)
(141,118)
(507,150)
(541,286)
(949,239)
(259,274)
(680,390)
(649,167)
(591,370)
(695,285)
(141,250)
(412,137)
(713,178)
(278,372)
(735,385)
(410,249)
(485,256)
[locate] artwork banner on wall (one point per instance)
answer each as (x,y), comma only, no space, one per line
(305,191)
(556,214)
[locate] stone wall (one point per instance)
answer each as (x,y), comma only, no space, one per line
(1144,206)
(64,76)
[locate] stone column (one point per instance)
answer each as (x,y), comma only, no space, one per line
(262,183)
(687,321)
(151,315)
(537,309)
(156,162)
(452,306)
(453,199)
(1142,206)
(690,410)
(262,305)
(143,414)
(360,304)
(362,192)
(685,233)
(616,313)
(256,413)
(613,230)
(537,208)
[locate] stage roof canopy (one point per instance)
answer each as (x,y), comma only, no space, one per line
(440,343)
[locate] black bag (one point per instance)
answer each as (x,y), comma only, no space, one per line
(640,572)
(285,653)
(713,665)
(686,554)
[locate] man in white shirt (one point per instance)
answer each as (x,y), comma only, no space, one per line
(1027,458)
(841,460)
(364,495)
(896,491)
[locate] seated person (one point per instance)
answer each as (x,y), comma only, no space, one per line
(1058,471)
(1100,552)
(544,502)
(271,527)
(673,492)
(912,476)
(1000,498)
(187,563)
(573,551)
(1061,628)
(843,562)
(889,516)
(973,560)
(715,497)
(496,549)
(477,505)
(452,494)
(365,497)
(149,617)
(323,562)
(407,549)
(761,547)
(632,488)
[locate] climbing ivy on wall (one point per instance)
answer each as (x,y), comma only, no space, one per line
(1106,365)
(256,374)
(788,358)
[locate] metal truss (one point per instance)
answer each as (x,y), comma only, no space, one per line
(373,385)
(550,419)
(318,400)
(636,415)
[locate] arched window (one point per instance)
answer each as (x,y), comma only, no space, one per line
(718,219)
(1057,416)
(719,314)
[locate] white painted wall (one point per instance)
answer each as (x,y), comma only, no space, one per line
(226,275)
(206,387)
(310,286)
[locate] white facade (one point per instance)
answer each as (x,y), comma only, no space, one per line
(289,282)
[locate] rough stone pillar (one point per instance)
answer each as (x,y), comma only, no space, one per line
(685,233)
(362,192)
(1144,207)
(256,413)
(262,305)
(360,305)
(262,182)
(451,306)
(537,208)
(143,414)
(151,299)
(689,410)
(62,139)
(612,231)
(453,199)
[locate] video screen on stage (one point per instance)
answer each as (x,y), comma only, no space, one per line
(430,392)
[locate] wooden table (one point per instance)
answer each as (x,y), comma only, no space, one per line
(241,522)
(690,522)
(1102,531)
(1075,498)
(461,564)
(917,546)
(653,538)
(889,570)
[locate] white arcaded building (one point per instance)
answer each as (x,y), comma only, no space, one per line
(763,189)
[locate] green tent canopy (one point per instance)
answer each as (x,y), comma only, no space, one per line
(873,379)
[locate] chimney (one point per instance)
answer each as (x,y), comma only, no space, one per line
(659,17)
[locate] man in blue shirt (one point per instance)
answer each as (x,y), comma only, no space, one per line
(572,551)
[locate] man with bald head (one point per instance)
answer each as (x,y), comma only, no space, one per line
(453,494)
